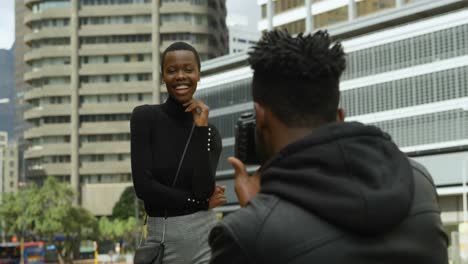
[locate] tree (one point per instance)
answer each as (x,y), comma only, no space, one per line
(55,215)
(15,211)
(49,213)
(117,229)
(125,207)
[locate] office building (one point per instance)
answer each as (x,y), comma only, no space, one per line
(241,39)
(407,72)
(7,102)
(8,165)
(87,64)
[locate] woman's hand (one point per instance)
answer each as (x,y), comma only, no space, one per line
(199,110)
(217,198)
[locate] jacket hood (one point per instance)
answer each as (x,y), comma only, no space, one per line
(349,174)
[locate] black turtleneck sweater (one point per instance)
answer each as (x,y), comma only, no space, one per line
(158,137)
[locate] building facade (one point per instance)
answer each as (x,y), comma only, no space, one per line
(410,79)
(7,89)
(8,165)
(241,39)
(87,64)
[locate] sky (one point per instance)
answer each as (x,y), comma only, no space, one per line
(7,23)
(244,12)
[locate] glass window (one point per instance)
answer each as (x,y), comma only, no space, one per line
(331,17)
(366,7)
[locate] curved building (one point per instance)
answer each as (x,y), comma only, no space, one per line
(89,63)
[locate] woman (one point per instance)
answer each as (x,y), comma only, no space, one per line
(159,134)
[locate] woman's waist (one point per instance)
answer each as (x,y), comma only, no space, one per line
(161,212)
(200,214)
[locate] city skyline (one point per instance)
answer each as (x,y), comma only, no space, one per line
(247,8)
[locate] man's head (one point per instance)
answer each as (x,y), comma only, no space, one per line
(295,82)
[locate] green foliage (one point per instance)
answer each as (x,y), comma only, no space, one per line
(125,207)
(15,210)
(117,228)
(46,212)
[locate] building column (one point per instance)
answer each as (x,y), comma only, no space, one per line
(309,17)
(155,43)
(270,14)
(74,83)
(399,3)
(352,14)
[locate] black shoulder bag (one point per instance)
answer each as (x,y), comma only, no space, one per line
(154,253)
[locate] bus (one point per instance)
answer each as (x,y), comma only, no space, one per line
(10,253)
(34,253)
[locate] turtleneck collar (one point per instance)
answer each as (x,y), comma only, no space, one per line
(175,109)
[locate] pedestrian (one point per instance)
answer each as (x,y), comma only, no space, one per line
(174,155)
(328,191)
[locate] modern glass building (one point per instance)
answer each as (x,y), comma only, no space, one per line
(82,66)
(410,79)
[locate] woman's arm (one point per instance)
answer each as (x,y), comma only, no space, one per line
(208,145)
(146,187)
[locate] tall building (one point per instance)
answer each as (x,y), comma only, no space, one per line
(242,32)
(7,91)
(88,64)
(241,39)
(8,165)
(407,72)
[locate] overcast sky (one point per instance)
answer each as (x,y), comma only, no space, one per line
(245,11)
(7,23)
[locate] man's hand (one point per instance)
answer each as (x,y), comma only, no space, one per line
(246,186)
(217,198)
(199,110)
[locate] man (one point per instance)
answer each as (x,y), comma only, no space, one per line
(330,191)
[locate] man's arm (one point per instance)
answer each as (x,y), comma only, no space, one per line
(224,250)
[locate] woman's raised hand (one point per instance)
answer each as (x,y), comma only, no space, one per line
(199,110)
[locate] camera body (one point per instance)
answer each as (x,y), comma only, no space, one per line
(245,147)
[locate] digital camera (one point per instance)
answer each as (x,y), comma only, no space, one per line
(245,147)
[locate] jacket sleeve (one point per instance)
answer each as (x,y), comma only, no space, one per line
(208,145)
(224,249)
(147,188)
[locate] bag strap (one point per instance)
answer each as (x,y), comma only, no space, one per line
(173,184)
(142,234)
(183,155)
(177,176)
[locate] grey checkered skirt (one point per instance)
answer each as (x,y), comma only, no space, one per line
(186,237)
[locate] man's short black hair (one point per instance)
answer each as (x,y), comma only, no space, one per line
(298,77)
(180,46)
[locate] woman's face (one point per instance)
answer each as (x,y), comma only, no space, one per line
(181,74)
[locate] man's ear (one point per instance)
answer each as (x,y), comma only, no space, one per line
(340,115)
(260,114)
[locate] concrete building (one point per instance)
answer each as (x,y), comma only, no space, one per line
(241,39)
(241,35)
(8,165)
(7,91)
(88,63)
(407,72)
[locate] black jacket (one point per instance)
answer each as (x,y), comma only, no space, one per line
(344,194)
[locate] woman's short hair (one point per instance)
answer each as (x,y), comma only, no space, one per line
(180,46)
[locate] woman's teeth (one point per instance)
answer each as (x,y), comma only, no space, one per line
(181,87)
